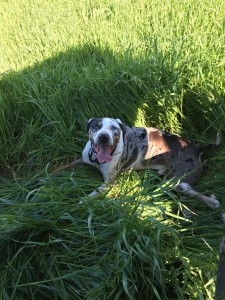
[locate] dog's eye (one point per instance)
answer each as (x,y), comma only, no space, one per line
(113,127)
(97,126)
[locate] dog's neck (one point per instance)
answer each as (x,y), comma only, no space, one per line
(119,148)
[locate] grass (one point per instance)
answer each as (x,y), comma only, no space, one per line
(155,63)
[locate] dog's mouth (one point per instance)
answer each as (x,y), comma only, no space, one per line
(104,152)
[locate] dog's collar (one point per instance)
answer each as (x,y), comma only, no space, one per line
(92,153)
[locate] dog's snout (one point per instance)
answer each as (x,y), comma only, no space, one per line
(103,138)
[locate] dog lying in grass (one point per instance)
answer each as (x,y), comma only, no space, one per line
(114,147)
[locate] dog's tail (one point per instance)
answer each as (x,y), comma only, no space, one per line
(69,166)
(203,148)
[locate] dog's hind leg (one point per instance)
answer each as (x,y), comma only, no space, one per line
(187,189)
(211,201)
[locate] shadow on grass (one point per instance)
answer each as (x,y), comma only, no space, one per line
(44,108)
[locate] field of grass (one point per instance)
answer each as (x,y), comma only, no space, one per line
(155,63)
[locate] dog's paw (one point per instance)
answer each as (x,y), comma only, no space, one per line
(188,214)
(83,200)
(213,203)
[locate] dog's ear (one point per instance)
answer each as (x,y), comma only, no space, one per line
(89,123)
(120,124)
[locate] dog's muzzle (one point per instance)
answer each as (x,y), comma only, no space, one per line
(104,148)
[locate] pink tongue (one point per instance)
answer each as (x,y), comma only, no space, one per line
(103,154)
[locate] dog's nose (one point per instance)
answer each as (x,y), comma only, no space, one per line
(103,138)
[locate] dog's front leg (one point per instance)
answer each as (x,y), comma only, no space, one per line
(108,182)
(211,200)
(102,188)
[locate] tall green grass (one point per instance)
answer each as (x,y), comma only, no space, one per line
(155,63)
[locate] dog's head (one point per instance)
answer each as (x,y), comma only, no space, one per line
(105,134)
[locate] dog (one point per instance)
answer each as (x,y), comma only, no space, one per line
(114,147)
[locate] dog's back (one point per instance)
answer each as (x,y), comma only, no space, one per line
(156,149)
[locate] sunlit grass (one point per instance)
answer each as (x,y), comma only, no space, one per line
(112,246)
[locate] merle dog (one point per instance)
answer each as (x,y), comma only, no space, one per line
(113,147)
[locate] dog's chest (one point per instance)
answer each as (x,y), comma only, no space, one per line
(134,148)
